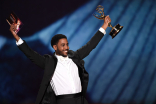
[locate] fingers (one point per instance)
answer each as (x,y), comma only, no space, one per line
(8,22)
(13,26)
(107,19)
(13,29)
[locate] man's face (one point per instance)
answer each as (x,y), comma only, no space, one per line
(62,48)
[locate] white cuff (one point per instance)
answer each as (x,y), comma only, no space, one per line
(20,41)
(102,30)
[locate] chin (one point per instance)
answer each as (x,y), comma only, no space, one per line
(64,55)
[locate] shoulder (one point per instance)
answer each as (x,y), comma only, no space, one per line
(73,54)
(47,56)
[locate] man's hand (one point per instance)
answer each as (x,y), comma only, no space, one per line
(13,29)
(107,20)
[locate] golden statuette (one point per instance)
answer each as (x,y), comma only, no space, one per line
(116,29)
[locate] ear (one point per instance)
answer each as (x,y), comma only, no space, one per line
(55,47)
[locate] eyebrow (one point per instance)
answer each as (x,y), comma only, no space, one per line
(64,43)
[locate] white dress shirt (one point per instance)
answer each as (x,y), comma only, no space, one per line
(65,79)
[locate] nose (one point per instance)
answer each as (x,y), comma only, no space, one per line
(66,47)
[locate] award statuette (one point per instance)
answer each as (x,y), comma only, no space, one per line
(116,29)
(13,19)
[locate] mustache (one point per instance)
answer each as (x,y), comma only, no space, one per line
(66,50)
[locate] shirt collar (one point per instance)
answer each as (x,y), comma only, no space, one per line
(61,58)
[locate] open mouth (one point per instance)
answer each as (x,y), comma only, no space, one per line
(66,51)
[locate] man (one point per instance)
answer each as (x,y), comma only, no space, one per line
(65,79)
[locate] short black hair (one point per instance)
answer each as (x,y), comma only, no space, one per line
(56,38)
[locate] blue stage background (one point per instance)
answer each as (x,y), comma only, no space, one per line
(121,70)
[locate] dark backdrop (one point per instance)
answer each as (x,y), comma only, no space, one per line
(121,70)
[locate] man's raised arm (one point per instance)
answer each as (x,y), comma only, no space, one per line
(86,49)
(32,55)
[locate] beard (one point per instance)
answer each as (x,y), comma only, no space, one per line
(63,53)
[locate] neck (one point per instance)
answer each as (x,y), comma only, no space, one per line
(60,55)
